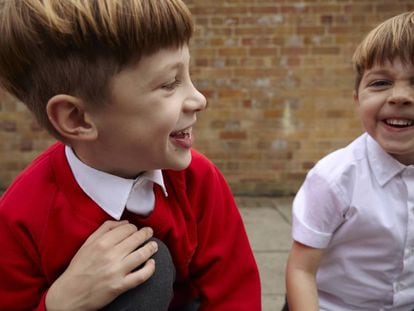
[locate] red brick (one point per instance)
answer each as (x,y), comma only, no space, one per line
(233,135)
(253,60)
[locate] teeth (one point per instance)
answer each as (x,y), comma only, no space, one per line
(183,133)
(399,122)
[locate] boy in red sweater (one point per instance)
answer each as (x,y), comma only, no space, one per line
(110,80)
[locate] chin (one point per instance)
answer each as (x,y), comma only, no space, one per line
(182,163)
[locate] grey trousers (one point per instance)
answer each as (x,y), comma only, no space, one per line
(156,293)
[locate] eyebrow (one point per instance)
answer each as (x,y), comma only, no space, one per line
(174,66)
(378,71)
(169,67)
(159,74)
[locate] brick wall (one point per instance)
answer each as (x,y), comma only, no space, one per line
(279,82)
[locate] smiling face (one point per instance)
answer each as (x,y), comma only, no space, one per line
(386,104)
(148,121)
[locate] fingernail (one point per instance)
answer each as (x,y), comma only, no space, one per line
(154,245)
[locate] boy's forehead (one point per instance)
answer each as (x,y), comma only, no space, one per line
(153,69)
(164,59)
(386,66)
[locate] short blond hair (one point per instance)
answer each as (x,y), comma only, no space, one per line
(394,38)
(75,47)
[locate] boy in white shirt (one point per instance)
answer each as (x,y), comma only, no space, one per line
(353,218)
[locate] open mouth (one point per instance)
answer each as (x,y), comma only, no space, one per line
(182,138)
(399,123)
(182,134)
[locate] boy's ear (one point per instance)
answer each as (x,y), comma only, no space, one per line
(70,118)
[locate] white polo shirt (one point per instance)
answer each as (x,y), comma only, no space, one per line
(357,204)
(112,193)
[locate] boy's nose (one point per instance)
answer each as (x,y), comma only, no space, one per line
(402,95)
(196,101)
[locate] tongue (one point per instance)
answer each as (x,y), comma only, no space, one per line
(182,140)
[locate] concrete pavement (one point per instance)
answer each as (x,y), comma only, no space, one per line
(268,225)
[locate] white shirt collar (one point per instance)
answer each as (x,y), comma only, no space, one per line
(110,192)
(383,165)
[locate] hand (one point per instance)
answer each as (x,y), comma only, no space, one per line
(104,267)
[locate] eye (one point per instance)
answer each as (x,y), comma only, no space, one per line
(171,85)
(380,83)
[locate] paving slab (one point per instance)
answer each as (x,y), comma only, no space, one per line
(267,229)
(271,302)
(268,225)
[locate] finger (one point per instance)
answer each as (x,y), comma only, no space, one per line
(117,235)
(134,241)
(138,257)
(104,228)
(141,275)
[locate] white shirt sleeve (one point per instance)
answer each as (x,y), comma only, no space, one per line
(318,210)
